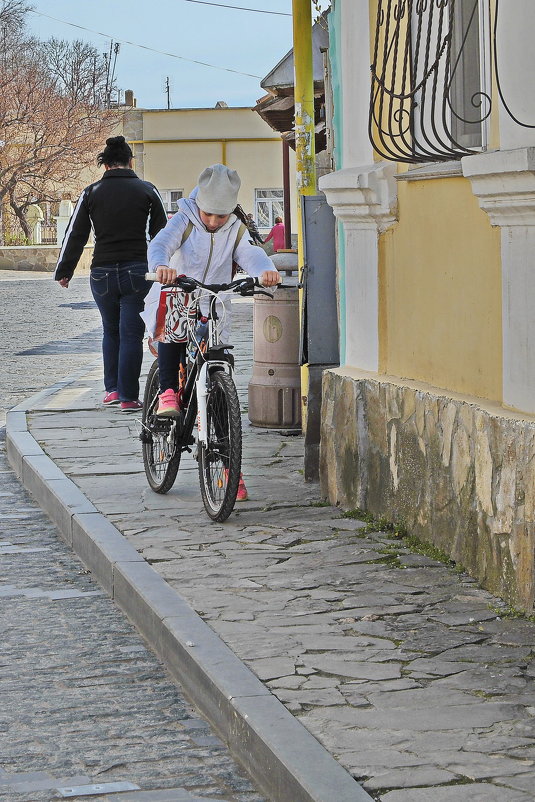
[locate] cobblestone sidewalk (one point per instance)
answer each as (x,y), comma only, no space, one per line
(406,671)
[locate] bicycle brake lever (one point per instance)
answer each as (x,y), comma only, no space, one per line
(185,284)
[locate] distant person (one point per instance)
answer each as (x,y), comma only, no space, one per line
(277,235)
(253,230)
(124,212)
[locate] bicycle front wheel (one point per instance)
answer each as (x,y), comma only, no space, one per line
(159,437)
(220,458)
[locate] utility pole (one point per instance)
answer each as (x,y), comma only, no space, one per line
(304,98)
(305,144)
(167,90)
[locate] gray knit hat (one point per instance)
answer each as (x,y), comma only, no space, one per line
(218,190)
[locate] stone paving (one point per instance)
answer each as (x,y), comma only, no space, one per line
(83,700)
(407,672)
(48,333)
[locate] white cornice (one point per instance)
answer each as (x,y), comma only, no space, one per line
(363,196)
(504,183)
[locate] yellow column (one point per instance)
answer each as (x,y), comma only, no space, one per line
(305,149)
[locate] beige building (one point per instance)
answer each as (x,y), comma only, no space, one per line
(173,146)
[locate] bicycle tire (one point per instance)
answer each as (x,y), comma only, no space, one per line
(159,437)
(220,459)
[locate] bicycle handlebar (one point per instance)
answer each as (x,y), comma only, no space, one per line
(245,286)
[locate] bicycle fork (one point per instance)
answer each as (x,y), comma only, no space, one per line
(202,390)
(202,394)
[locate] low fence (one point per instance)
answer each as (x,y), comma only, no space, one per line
(49,234)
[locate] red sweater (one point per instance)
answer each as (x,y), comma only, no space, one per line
(277,234)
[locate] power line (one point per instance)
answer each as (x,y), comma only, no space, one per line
(240,8)
(144,47)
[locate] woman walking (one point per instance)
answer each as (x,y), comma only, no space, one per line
(277,235)
(124,212)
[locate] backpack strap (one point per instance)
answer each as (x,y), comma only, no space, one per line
(241,231)
(187,232)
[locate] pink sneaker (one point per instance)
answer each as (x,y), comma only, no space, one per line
(168,405)
(111,398)
(131,406)
(242,494)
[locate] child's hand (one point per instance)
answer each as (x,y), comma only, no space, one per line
(166,275)
(270,278)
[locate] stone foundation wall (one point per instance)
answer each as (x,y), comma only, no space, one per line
(39,258)
(458,474)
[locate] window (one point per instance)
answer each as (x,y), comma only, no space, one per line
(170,199)
(268,205)
(469,78)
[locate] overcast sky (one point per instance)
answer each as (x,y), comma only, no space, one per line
(245,41)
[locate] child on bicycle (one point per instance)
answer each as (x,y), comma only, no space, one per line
(203,240)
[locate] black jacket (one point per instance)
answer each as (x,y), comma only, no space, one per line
(124,212)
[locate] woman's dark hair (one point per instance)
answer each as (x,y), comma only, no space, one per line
(278,219)
(116,152)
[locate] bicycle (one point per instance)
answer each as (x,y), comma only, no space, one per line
(208,398)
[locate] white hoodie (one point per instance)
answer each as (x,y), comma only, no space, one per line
(204,255)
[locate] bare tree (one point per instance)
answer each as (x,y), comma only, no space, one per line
(52,115)
(79,70)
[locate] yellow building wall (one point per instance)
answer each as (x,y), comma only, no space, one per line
(177,165)
(207,123)
(178,144)
(440,290)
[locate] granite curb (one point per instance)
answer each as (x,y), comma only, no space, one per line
(278,752)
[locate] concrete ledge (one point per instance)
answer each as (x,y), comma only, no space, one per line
(60,499)
(16,420)
(100,546)
(20,444)
(285,758)
(146,598)
(210,673)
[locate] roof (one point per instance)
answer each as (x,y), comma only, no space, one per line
(282,76)
(277,108)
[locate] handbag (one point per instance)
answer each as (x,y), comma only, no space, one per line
(177,311)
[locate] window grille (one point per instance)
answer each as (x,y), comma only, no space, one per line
(428,99)
(430,87)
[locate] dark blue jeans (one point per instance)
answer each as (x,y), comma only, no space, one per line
(119,290)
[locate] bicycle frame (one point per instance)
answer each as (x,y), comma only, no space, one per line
(199,372)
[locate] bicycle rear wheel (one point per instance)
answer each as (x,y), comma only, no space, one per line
(161,443)
(220,458)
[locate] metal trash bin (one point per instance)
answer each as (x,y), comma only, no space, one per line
(275,386)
